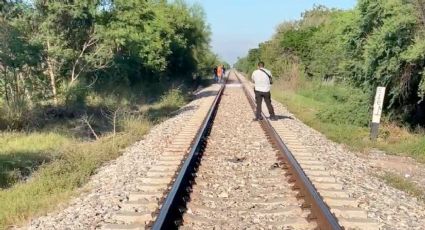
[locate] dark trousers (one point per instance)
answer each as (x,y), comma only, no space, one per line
(259,100)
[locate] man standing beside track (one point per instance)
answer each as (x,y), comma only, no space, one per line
(262,79)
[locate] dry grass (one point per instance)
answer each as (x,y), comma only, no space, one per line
(291,78)
(56,181)
(307,102)
(22,153)
(391,133)
(403,184)
(67,163)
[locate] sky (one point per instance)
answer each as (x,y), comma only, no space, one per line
(240,25)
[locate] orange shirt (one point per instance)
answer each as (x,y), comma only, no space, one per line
(219,71)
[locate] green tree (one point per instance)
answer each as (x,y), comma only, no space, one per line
(55,51)
(71,39)
(379,43)
(19,58)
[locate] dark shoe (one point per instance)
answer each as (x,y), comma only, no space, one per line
(273,118)
(257,119)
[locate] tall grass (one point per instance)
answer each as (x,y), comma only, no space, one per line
(21,154)
(343,114)
(54,182)
(14,115)
(58,164)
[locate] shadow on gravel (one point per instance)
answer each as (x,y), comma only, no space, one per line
(184,109)
(281,117)
(158,114)
(208,93)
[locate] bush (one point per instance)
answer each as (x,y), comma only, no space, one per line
(379,43)
(344,105)
(173,98)
(15,115)
(354,113)
(74,95)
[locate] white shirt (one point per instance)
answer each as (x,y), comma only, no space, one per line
(261,80)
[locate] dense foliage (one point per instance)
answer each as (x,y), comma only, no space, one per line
(379,43)
(59,51)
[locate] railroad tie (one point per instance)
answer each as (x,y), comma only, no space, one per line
(345,208)
(140,207)
(239,183)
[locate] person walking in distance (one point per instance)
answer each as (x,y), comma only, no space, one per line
(215,74)
(220,73)
(262,79)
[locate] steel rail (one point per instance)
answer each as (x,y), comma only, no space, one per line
(319,210)
(171,210)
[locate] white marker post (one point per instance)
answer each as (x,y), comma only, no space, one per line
(377,112)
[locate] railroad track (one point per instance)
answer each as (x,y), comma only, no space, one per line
(224,171)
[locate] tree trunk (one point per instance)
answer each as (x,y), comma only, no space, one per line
(17,88)
(52,81)
(74,76)
(25,89)
(6,90)
(52,76)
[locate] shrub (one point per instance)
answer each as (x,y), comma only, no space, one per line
(74,95)
(344,105)
(15,115)
(174,98)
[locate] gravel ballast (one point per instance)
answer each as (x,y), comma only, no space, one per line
(101,197)
(392,208)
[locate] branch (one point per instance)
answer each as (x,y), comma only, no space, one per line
(112,117)
(115,120)
(97,66)
(86,119)
(94,81)
(92,40)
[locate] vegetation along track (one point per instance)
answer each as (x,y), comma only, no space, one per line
(247,179)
